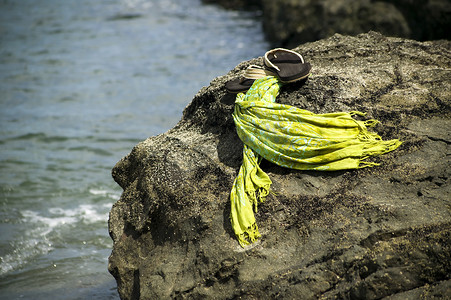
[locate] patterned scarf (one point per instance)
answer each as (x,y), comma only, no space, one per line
(293,138)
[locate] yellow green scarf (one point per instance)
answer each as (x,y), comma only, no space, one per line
(293,138)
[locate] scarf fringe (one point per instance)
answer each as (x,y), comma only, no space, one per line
(380,148)
(366,164)
(357,113)
(371,123)
(367,123)
(249,236)
(258,195)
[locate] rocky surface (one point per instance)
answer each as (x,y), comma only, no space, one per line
(288,23)
(361,234)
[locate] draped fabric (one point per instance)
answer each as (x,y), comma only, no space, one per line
(293,138)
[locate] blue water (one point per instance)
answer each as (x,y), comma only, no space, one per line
(81,82)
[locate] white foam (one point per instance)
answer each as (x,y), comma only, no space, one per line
(47,224)
(90,214)
(57,217)
(98,192)
(87,213)
(108,194)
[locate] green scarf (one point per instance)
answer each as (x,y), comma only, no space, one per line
(293,138)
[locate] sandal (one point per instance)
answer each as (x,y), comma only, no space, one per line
(288,65)
(243,83)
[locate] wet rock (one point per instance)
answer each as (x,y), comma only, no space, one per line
(360,234)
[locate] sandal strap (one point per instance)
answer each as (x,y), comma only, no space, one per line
(256,72)
(273,52)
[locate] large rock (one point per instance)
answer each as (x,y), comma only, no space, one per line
(358,234)
(288,23)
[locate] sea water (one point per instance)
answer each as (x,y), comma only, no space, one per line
(81,82)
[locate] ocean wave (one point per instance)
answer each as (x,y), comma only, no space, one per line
(86,213)
(25,250)
(45,225)
(39,237)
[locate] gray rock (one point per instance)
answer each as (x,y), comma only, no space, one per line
(360,234)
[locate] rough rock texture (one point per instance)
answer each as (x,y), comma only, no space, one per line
(288,23)
(360,234)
